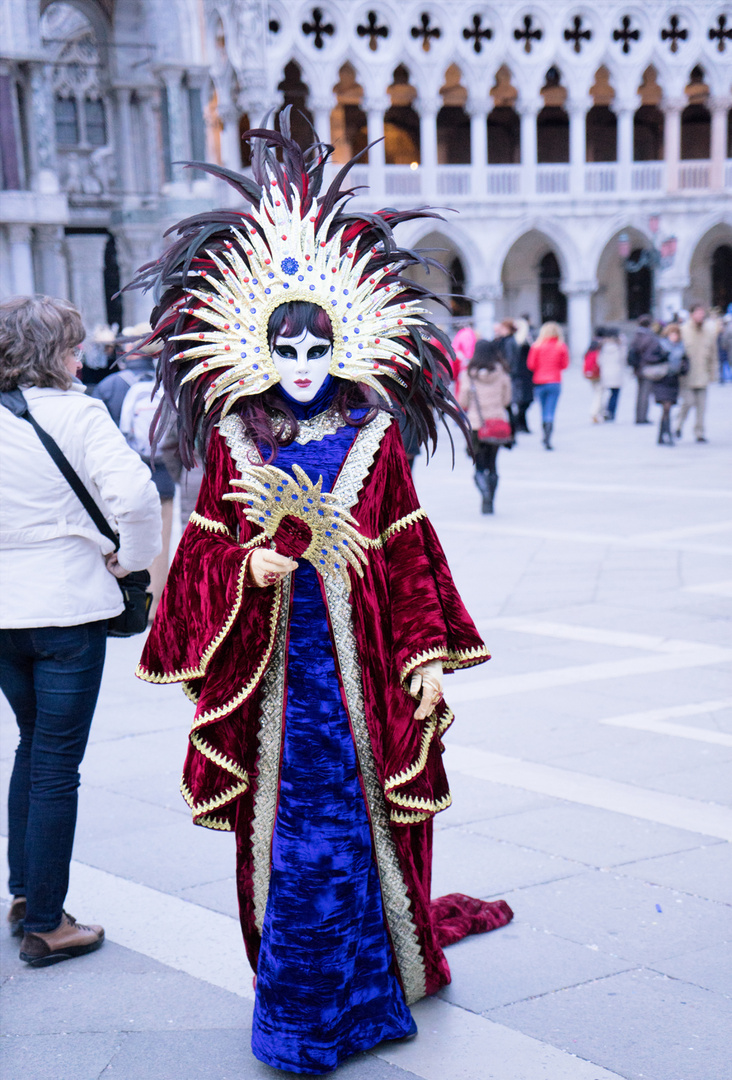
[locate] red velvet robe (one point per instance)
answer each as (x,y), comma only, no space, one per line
(226,642)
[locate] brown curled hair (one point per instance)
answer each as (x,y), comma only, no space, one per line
(36,333)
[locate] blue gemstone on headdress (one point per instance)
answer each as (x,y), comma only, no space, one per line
(360,318)
(360,344)
(332,288)
(256,348)
(237,310)
(255,367)
(312,288)
(345,319)
(266,378)
(345,292)
(237,326)
(334,302)
(271,275)
(285,284)
(356,330)
(289,266)
(254,281)
(243,341)
(251,295)
(252,311)
(252,328)
(349,305)
(348,355)
(341,364)
(310,268)
(268,291)
(300,277)
(243,355)
(322,277)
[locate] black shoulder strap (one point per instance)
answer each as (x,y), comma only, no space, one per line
(17,404)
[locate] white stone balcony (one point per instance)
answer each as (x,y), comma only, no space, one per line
(503,181)
(648,176)
(695,175)
(402,180)
(601,178)
(552,179)
(454,180)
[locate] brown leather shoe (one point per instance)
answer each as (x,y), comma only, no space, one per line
(68,940)
(16,916)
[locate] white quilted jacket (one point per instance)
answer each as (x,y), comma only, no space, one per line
(52,570)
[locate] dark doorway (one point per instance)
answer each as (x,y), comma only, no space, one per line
(552,135)
(453,136)
(696,133)
(639,287)
(401,122)
(552,301)
(295,93)
(602,140)
(722,277)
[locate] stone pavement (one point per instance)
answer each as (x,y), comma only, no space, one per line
(590,763)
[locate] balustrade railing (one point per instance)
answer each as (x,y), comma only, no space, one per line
(728,174)
(402,180)
(453,180)
(695,175)
(601,178)
(648,176)
(503,180)
(552,179)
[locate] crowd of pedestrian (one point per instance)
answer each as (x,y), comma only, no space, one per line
(497,380)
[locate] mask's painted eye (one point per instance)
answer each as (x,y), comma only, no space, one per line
(286,352)
(317,351)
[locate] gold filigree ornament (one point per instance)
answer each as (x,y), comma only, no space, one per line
(278,256)
(270,496)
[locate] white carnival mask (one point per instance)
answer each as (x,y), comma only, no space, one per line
(302,364)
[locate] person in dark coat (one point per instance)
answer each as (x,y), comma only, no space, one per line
(522,383)
(644,350)
(666,389)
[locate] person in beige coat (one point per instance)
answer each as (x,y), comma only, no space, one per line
(701,349)
(485,394)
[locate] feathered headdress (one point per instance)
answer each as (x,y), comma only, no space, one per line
(218,284)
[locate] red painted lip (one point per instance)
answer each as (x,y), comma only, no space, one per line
(303,382)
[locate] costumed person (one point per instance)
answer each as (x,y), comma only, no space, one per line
(309,611)
(671,364)
(486,394)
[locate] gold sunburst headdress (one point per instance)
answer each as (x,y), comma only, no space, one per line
(217,286)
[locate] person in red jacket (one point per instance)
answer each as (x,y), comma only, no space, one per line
(547,359)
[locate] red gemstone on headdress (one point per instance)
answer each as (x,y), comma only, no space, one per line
(388,288)
(201,336)
(203,273)
(241,382)
(375,367)
(250,252)
(278,203)
(312,219)
(378,314)
(322,243)
(267,262)
(334,269)
(229,244)
(226,271)
(402,306)
(372,281)
(227,348)
(253,232)
(274,183)
(226,326)
(399,322)
(284,237)
(205,363)
(231,300)
(392,357)
(349,254)
(307,258)
(245,280)
(377,341)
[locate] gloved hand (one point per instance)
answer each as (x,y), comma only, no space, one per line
(266,567)
(427,678)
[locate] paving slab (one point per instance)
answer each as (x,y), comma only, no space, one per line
(704,871)
(518,962)
(595,837)
(615,1022)
(466,862)
(620,916)
(709,968)
(66,1056)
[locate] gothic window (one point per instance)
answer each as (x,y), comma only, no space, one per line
(245,147)
(504,126)
(295,93)
(552,301)
(401,122)
(696,120)
(602,134)
(95,122)
(648,122)
(197,129)
(638,287)
(66,115)
(462,306)
(722,277)
(453,123)
(552,123)
(348,121)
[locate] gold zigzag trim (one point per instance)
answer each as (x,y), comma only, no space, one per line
(417,766)
(217,757)
(438,653)
(458,658)
(200,671)
(215,803)
(190,693)
(215,823)
(402,523)
(209,524)
(243,694)
(429,806)
(401,817)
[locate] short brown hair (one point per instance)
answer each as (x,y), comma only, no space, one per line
(36,332)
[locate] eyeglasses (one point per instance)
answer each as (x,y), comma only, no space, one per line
(78,353)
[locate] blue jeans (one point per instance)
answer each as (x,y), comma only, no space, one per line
(612,403)
(51,677)
(547,394)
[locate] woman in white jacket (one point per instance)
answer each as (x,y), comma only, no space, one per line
(57,591)
(612,361)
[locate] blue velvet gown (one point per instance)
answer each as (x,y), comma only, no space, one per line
(326,986)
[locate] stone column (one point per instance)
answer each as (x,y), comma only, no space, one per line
(579,316)
(484,308)
(670,299)
(428,109)
(21,260)
(230,141)
(136,245)
(672,108)
(44,173)
(322,108)
(625,112)
(528,111)
(9,142)
(719,107)
(375,109)
(178,127)
(577,109)
(52,276)
(478,149)
(151,171)
(86,272)
(130,170)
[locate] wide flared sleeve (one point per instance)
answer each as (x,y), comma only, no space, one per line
(428,618)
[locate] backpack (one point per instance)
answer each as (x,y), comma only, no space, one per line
(138,411)
(590,368)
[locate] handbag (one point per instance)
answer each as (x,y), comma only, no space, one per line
(493,428)
(656,372)
(133,586)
